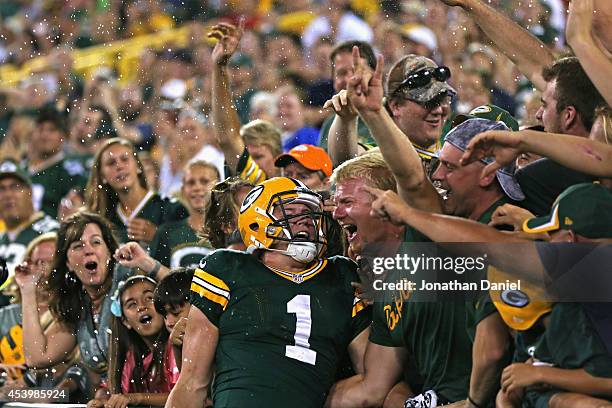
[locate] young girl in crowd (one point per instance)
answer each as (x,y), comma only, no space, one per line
(142,369)
(117,190)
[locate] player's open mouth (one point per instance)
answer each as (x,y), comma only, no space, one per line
(91,265)
(302,236)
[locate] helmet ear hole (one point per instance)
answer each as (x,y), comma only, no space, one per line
(254,226)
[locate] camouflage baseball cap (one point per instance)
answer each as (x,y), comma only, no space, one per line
(408,65)
(460,137)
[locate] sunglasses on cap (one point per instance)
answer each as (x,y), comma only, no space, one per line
(423,77)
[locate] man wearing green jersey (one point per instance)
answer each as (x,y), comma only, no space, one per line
(276,320)
(23,224)
(53,173)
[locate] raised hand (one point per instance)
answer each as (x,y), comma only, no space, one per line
(500,144)
(228,38)
(131,255)
(365,88)
(27,278)
(579,20)
(341,105)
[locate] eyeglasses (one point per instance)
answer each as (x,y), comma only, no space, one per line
(423,77)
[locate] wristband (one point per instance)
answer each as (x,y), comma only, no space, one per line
(473,402)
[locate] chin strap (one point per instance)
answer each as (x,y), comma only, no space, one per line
(303,252)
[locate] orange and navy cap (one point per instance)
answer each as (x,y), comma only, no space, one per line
(311,157)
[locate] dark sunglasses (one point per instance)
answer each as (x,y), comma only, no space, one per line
(423,77)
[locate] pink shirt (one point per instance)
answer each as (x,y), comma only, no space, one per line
(170,376)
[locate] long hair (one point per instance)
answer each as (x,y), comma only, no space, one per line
(222,210)
(65,288)
(123,340)
(101,198)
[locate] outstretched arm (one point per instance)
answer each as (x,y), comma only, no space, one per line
(226,124)
(444,228)
(578,153)
(528,53)
(365,92)
(579,34)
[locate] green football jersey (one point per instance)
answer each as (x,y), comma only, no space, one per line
(13,244)
(177,244)
(52,183)
(281,335)
(152,208)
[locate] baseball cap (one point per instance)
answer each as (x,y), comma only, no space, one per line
(312,157)
(460,137)
(583,208)
(411,64)
(491,112)
(519,308)
(421,34)
(10,168)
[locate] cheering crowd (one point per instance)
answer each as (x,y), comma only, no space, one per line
(195,231)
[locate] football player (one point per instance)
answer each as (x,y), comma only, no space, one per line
(274,321)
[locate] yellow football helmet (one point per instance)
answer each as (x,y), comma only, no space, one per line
(260,228)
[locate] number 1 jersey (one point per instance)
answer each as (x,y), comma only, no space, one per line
(281,335)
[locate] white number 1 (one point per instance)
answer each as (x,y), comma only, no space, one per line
(300,305)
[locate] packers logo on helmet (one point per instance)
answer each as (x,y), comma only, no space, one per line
(263,218)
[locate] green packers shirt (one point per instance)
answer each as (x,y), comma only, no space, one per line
(281,335)
(177,244)
(52,183)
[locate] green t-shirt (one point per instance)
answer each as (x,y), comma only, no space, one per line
(177,244)
(13,244)
(52,183)
(152,208)
(281,338)
(570,342)
(434,335)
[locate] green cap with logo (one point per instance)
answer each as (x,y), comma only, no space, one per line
(491,112)
(10,168)
(585,208)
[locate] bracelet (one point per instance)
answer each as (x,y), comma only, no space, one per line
(473,402)
(156,269)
